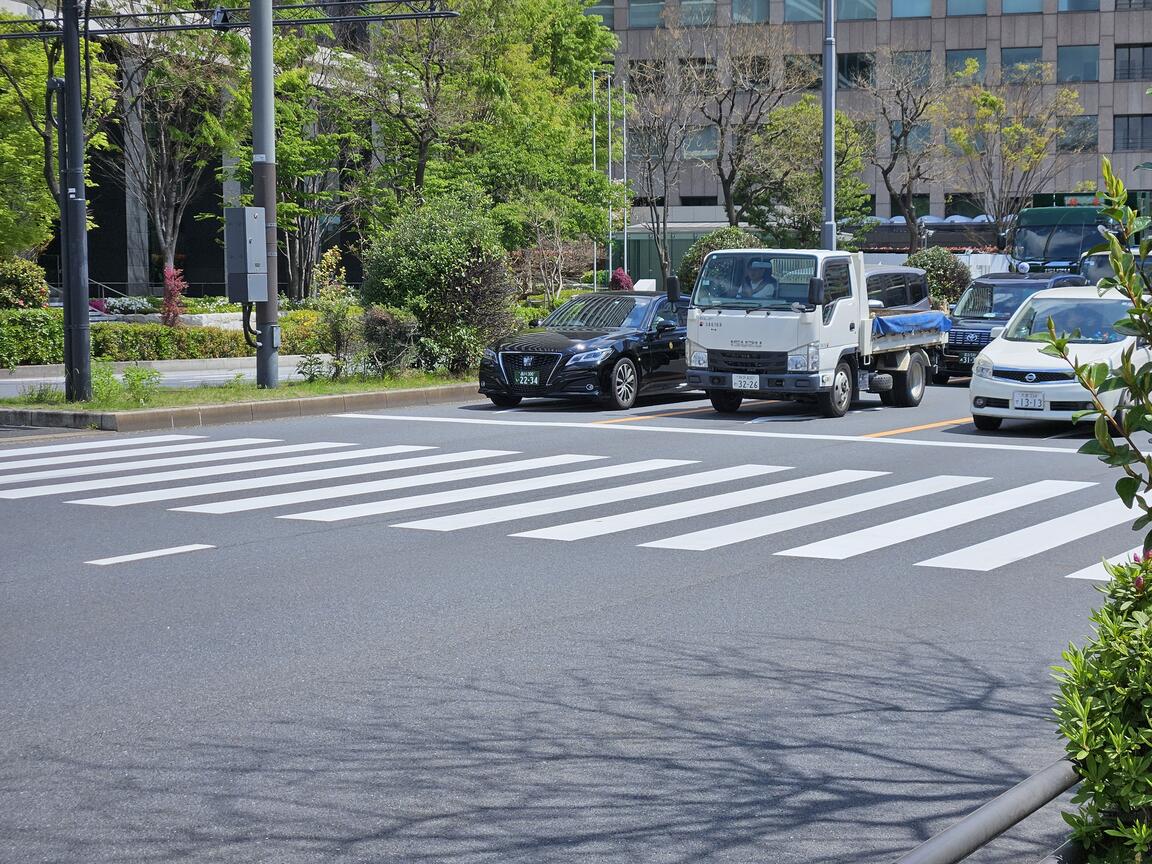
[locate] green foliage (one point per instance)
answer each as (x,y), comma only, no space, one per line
(22,285)
(1104,703)
(724,238)
(31,337)
(444,263)
(340,328)
(947,275)
(782,183)
(105,387)
(141,384)
(389,335)
(157,342)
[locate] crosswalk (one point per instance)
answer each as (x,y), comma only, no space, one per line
(679,505)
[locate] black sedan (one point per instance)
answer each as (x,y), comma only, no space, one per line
(611,346)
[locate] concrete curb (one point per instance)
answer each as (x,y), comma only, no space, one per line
(238,412)
(214,364)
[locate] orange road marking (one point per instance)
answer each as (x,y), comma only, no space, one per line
(936,425)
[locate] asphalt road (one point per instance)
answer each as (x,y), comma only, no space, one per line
(549,634)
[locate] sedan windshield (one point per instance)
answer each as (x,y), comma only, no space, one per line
(754,280)
(1083,320)
(600,312)
(986,300)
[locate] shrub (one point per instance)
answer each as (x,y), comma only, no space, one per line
(947,275)
(141,384)
(129,306)
(601,277)
(444,263)
(31,337)
(157,342)
(389,335)
(620,281)
(298,331)
(174,288)
(724,238)
(22,285)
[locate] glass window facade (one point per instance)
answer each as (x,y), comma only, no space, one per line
(702,143)
(1081,134)
(913,66)
(919,205)
(805,67)
(749,11)
(1132,132)
(856,10)
(1134,62)
(697,13)
(1077,63)
(645,13)
(605,11)
(1020,64)
(803,10)
(852,70)
(1078,6)
(1021,7)
(956,61)
(911,8)
(967,7)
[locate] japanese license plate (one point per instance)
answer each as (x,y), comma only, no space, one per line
(745,382)
(968,358)
(1029,401)
(527,377)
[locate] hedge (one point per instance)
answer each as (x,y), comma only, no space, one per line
(36,336)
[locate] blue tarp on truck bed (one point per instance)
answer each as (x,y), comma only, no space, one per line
(916,322)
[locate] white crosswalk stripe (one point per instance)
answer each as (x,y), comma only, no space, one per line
(455,496)
(579,500)
(1097,573)
(202,489)
(100,444)
(933,521)
(616,523)
(73,458)
(1016,545)
(349,490)
(141,464)
(778,523)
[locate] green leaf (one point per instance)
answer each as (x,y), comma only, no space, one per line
(1126,488)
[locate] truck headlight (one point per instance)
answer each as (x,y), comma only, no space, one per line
(587,357)
(806,358)
(697,356)
(982,368)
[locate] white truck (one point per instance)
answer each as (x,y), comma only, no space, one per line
(798,324)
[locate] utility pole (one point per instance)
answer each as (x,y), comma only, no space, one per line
(264,188)
(608,248)
(74,215)
(628,201)
(595,256)
(828,232)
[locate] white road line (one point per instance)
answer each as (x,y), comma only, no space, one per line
(156,553)
(95,445)
(777,523)
(201,489)
(348,490)
(740,433)
(933,521)
(687,509)
(580,500)
(1034,539)
(194,459)
(142,451)
(456,496)
(1097,573)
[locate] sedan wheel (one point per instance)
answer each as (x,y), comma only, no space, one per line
(623,384)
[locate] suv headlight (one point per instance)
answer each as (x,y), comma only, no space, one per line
(697,356)
(806,358)
(585,357)
(490,356)
(982,368)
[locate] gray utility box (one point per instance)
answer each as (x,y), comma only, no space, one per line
(245,255)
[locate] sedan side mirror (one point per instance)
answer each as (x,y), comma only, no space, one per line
(535,322)
(815,291)
(951,308)
(997,332)
(663,326)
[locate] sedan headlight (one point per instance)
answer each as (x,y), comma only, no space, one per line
(588,357)
(490,356)
(697,356)
(806,358)
(982,368)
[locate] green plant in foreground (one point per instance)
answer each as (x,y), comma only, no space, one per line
(105,388)
(1104,708)
(141,384)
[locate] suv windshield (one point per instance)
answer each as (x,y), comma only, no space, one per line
(599,312)
(1097,266)
(752,280)
(1054,242)
(989,300)
(1083,320)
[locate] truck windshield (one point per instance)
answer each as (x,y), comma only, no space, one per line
(1083,320)
(599,312)
(987,300)
(753,280)
(1054,242)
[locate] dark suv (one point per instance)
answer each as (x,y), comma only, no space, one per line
(989,302)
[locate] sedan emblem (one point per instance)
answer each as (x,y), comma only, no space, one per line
(1030,377)
(528,360)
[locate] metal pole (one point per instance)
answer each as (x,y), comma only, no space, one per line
(264,187)
(595,250)
(828,231)
(608,248)
(628,201)
(74,215)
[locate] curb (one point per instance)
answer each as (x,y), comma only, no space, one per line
(213,364)
(239,412)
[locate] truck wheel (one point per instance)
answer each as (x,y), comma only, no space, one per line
(835,402)
(623,385)
(501,400)
(941,378)
(908,387)
(986,424)
(725,401)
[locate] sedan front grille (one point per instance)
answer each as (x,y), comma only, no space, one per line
(751,362)
(515,361)
(1037,377)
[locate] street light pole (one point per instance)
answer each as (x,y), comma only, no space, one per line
(828,230)
(264,187)
(74,216)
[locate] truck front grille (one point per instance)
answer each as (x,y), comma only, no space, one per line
(750,362)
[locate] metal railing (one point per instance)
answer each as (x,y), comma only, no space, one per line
(978,828)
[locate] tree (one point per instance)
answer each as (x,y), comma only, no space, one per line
(1007,131)
(905,92)
(750,75)
(782,185)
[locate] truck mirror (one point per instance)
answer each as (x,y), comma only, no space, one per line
(815,291)
(1001,242)
(672,287)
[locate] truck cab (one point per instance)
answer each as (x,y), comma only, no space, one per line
(798,324)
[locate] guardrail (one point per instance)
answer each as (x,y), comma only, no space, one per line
(978,828)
